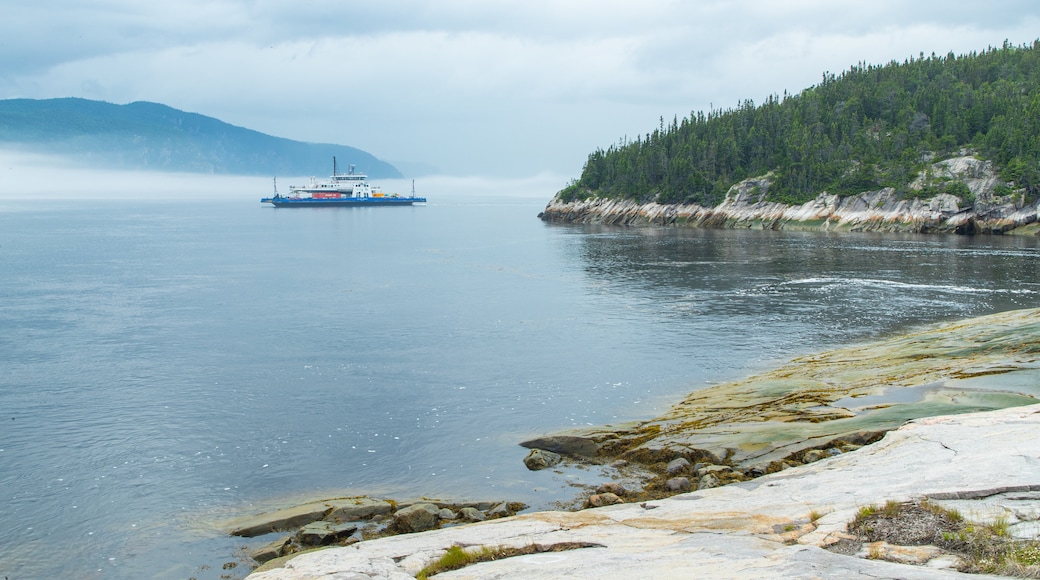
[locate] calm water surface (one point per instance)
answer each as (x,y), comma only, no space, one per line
(165,364)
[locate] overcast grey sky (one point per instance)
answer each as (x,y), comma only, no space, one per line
(472,87)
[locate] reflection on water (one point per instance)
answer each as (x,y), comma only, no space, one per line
(816,288)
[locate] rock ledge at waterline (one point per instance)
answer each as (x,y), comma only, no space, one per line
(776,526)
(872,211)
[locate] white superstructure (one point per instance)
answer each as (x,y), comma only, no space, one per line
(348,184)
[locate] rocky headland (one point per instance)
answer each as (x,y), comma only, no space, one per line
(805,449)
(984,211)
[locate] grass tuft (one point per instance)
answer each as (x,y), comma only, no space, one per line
(454,558)
(457,557)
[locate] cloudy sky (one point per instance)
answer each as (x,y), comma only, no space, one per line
(497,88)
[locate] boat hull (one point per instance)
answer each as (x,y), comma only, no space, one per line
(341,201)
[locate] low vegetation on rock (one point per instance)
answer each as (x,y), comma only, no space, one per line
(986,548)
(457,557)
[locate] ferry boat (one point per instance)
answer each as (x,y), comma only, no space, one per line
(342,189)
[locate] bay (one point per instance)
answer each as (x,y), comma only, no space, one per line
(170,362)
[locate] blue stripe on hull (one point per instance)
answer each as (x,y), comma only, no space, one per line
(342,202)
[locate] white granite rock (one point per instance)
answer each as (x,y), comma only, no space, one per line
(756,529)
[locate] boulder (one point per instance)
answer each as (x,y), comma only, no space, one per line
(472,514)
(678,465)
(446,514)
(417,518)
(602,499)
(357,508)
(612,487)
(324,533)
(716,469)
(585,442)
(541,459)
(501,510)
(287,519)
(754,472)
(708,481)
(813,455)
(678,484)
(270,551)
(480,505)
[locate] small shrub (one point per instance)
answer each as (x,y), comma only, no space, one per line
(988,549)
(1002,190)
(569,193)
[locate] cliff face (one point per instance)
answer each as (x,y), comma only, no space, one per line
(881,210)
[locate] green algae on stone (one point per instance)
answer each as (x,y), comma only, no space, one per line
(985,363)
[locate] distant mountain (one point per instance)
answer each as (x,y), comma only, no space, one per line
(145,135)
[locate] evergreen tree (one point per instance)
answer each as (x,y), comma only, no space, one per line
(869,127)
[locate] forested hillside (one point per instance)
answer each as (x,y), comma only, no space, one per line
(144,135)
(869,127)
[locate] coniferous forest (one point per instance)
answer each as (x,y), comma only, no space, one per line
(870,127)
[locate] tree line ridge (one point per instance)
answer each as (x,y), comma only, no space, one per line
(868,128)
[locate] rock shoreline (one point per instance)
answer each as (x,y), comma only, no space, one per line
(343,521)
(803,448)
(873,211)
(778,526)
(821,405)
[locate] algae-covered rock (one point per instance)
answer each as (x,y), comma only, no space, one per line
(850,395)
(541,459)
(824,405)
